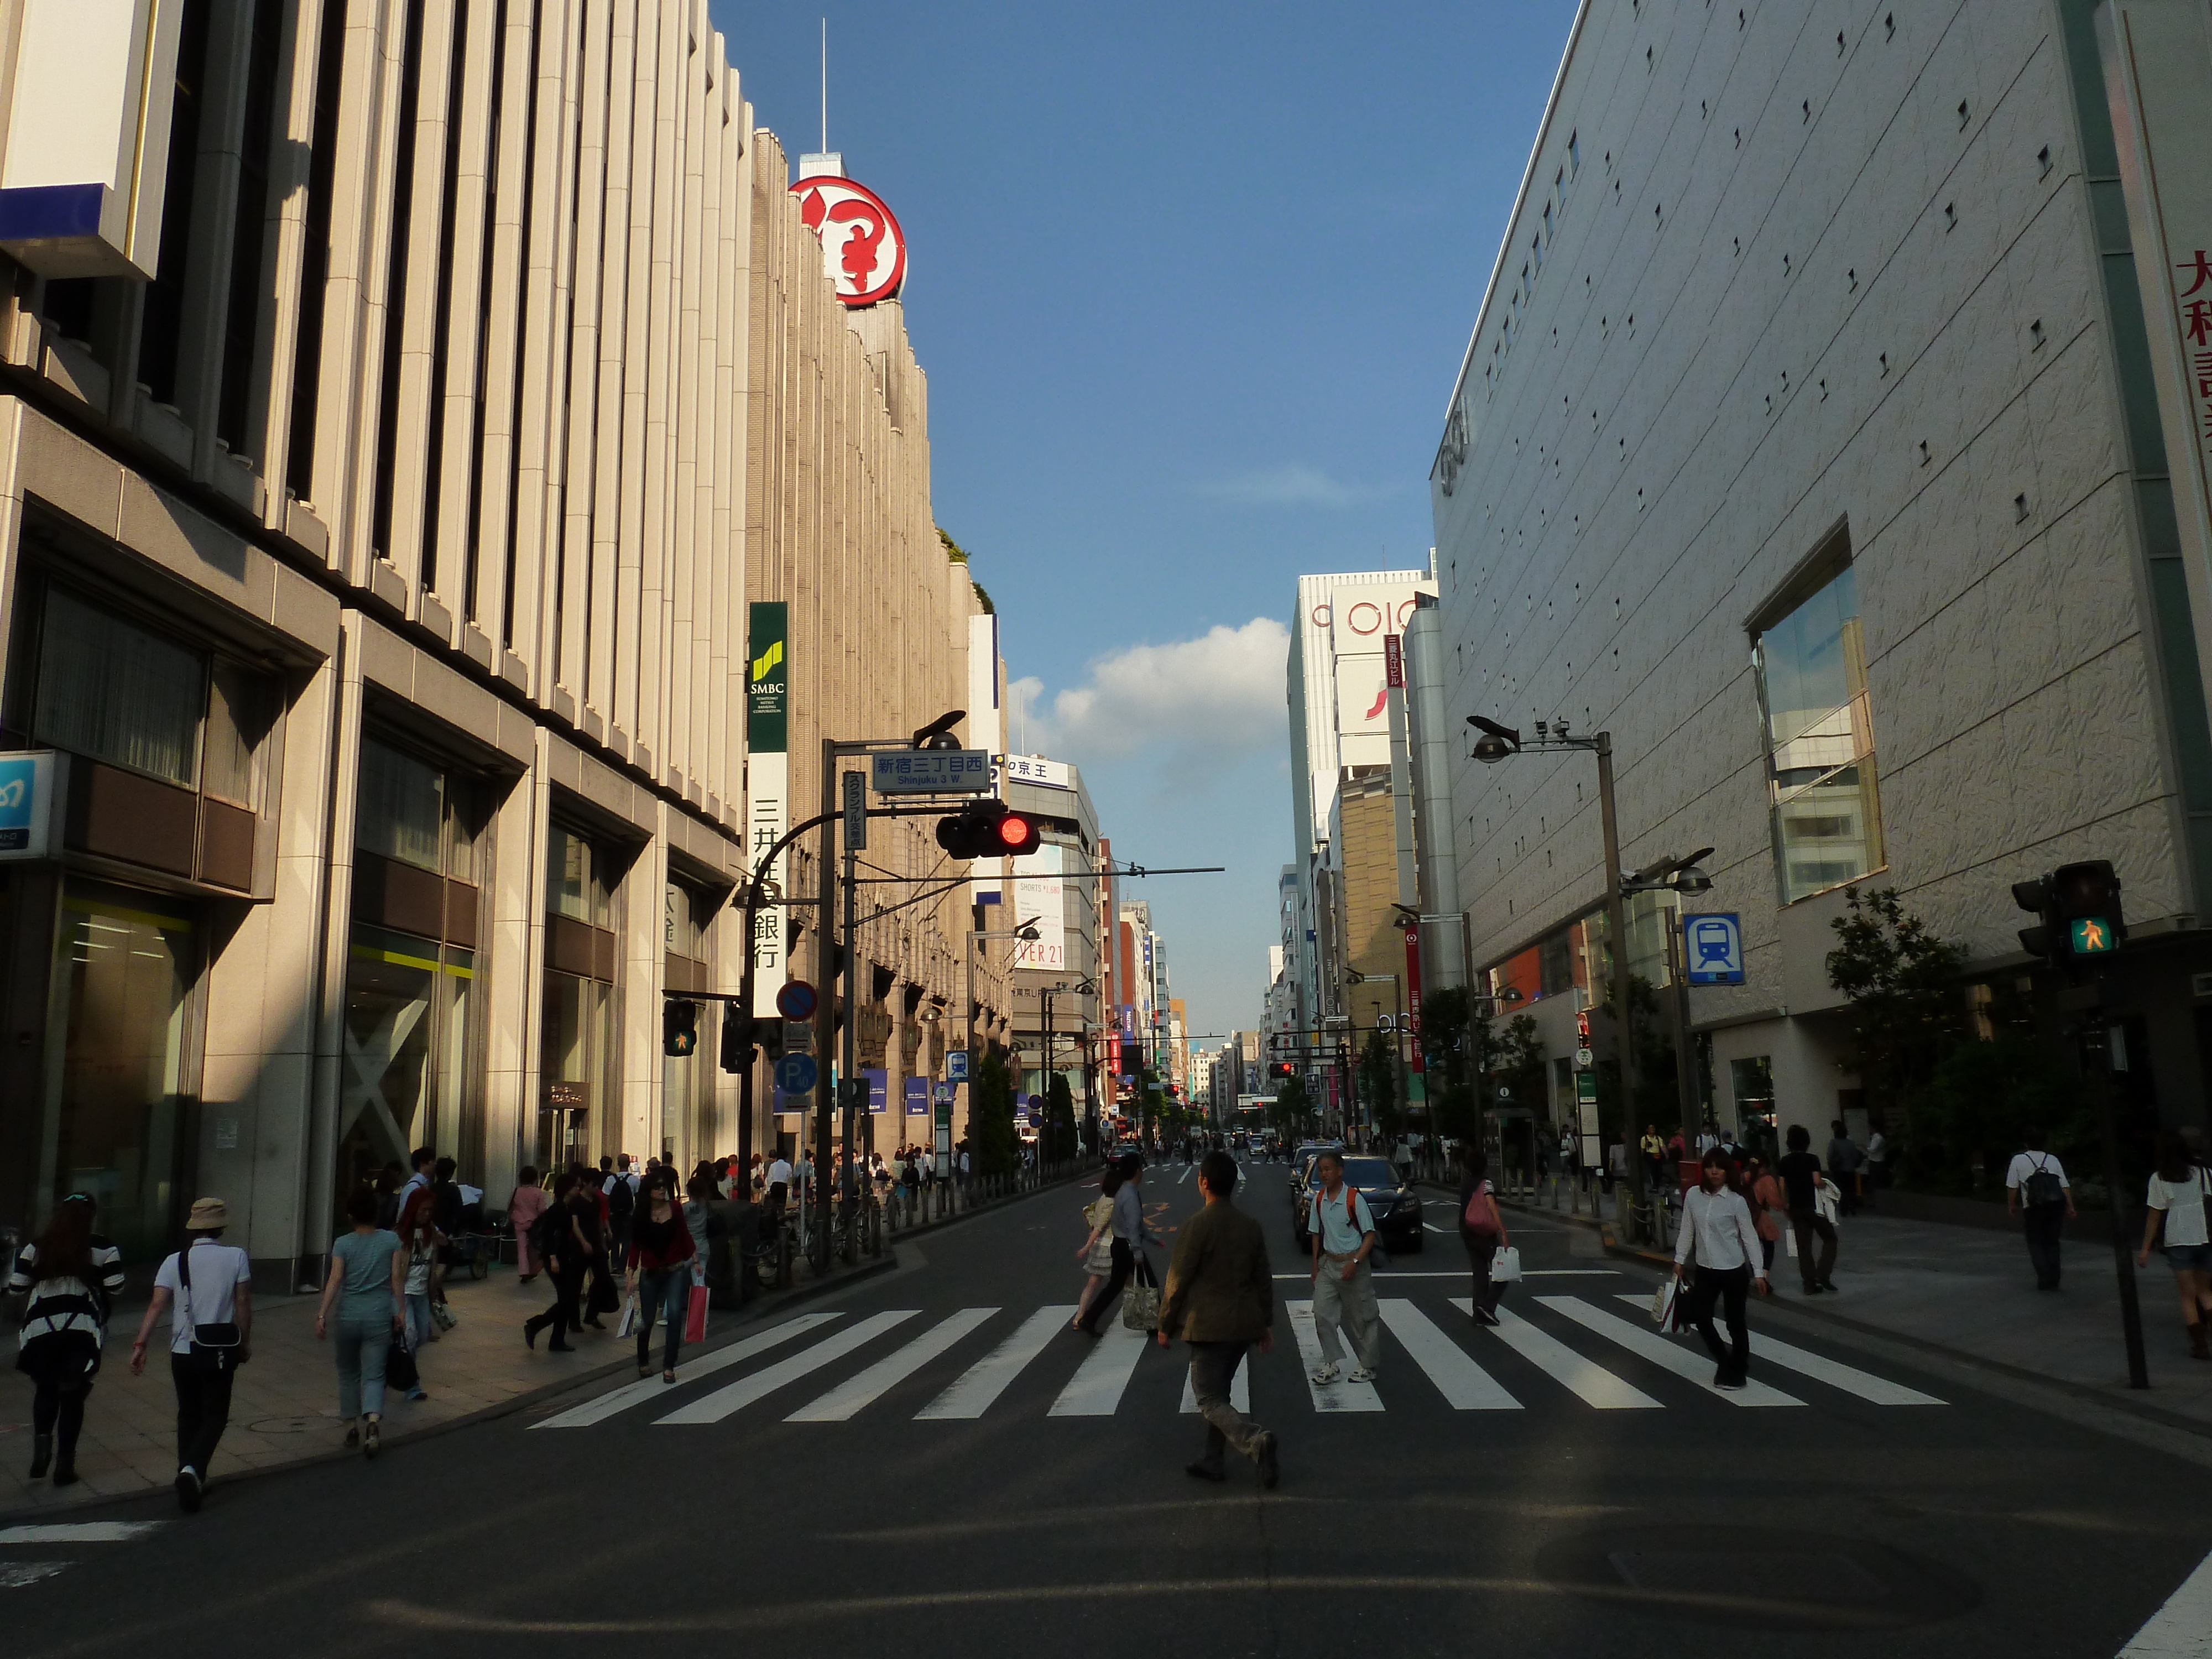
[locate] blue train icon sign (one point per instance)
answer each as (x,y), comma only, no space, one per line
(1712,947)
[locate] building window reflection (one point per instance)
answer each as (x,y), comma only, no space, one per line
(579,1054)
(1820,754)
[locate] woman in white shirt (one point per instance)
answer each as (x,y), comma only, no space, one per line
(1716,1224)
(2176,1198)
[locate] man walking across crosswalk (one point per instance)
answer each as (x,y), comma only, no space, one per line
(1343,1305)
(1221,1300)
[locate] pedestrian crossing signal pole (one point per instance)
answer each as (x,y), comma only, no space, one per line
(2080,922)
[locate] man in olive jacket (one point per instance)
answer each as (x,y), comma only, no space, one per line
(1220,1299)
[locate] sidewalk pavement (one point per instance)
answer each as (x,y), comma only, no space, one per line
(284,1403)
(1969,1291)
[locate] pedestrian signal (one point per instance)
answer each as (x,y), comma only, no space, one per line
(738,1049)
(679,1029)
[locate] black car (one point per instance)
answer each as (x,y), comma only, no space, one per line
(1396,1209)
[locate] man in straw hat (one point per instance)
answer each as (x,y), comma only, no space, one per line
(211,1284)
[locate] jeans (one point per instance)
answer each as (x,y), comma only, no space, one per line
(1345,1310)
(202,1412)
(1125,1263)
(1809,1225)
(1213,1369)
(362,1347)
(2042,1223)
(666,1292)
(418,1322)
(57,1408)
(1732,1285)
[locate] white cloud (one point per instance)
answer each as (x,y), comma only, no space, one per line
(1221,694)
(1294,485)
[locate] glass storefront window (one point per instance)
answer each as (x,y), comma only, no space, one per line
(117,692)
(575,883)
(577,1048)
(116,1124)
(1811,683)
(406,1079)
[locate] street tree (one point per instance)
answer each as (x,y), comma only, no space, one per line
(1902,982)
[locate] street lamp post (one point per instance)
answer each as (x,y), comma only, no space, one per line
(1499,743)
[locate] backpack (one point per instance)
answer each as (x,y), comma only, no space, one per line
(621,1200)
(2044,1186)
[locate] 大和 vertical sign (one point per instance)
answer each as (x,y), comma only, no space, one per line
(2157,64)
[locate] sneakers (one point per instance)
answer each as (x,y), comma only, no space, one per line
(371,1438)
(1483,1316)
(1323,1375)
(353,1436)
(189,1490)
(1363,1374)
(1266,1455)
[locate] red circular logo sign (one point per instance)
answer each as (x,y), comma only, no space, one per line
(863,249)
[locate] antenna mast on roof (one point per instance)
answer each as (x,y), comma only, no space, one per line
(825,86)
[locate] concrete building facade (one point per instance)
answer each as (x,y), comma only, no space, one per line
(379,572)
(1809,442)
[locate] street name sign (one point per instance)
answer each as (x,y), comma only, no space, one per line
(932,772)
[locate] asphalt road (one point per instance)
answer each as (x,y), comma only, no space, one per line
(897,1475)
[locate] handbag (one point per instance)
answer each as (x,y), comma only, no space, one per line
(695,1316)
(1662,1302)
(443,1316)
(1505,1265)
(628,1326)
(399,1372)
(216,1347)
(1140,1308)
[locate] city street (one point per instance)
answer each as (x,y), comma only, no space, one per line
(931,1463)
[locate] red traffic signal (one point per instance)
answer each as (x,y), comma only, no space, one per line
(989,830)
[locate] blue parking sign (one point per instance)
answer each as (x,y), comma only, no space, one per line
(1712,949)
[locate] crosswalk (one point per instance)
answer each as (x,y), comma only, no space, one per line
(21,1574)
(1571,1350)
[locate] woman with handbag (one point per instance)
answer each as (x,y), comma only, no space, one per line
(1482,1229)
(419,1239)
(659,1259)
(1716,1224)
(1096,1255)
(528,1204)
(69,1277)
(1130,1236)
(2177,1194)
(210,1336)
(370,1270)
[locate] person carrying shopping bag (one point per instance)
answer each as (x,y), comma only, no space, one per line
(1130,1236)
(367,1283)
(1096,1255)
(68,1278)
(1716,1225)
(657,1273)
(1482,1229)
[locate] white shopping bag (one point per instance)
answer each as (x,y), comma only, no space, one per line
(628,1326)
(1506,1266)
(1663,1305)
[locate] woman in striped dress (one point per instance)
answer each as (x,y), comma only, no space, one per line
(69,1276)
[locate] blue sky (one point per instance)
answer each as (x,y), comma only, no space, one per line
(1190,283)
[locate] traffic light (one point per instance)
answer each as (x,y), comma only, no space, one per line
(2078,909)
(989,830)
(2086,900)
(1282,1068)
(738,1049)
(679,1028)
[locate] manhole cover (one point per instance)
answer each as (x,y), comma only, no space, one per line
(1758,1579)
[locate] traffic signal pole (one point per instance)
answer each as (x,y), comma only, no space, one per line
(2123,1262)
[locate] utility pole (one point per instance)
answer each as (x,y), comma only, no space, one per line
(825,1028)
(1616,927)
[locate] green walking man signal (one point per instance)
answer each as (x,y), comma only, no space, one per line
(2078,906)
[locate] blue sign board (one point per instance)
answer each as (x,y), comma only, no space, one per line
(795,1074)
(945,1094)
(879,1084)
(932,772)
(795,1001)
(917,1097)
(1712,949)
(29,787)
(956,1066)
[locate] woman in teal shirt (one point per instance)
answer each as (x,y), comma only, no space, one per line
(369,1275)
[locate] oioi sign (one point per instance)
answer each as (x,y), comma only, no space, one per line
(863,249)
